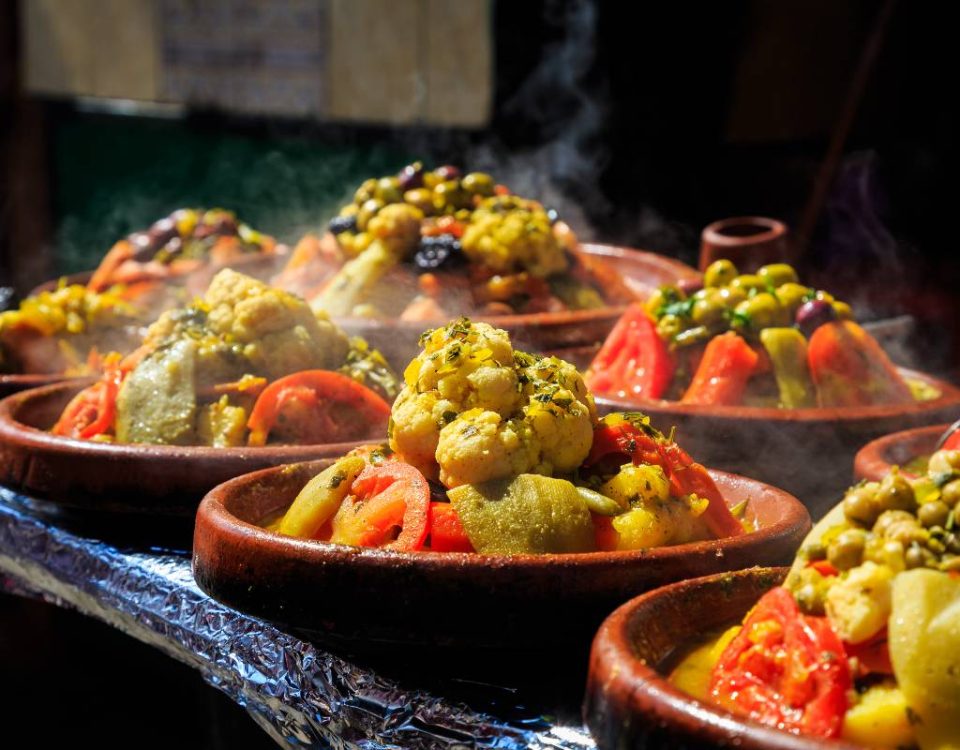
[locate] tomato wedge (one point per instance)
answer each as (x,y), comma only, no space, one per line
(721,377)
(446,531)
(785,669)
(383,498)
(92,411)
(317,406)
(634,360)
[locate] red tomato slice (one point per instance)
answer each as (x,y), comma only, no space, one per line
(317,406)
(92,411)
(446,531)
(634,360)
(785,669)
(383,498)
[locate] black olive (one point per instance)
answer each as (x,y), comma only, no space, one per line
(411,176)
(447,172)
(340,224)
(435,252)
(813,314)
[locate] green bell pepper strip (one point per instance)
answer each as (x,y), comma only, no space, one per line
(787,349)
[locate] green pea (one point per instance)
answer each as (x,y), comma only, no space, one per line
(846,551)
(777,274)
(896,493)
(720,273)
(860,506)
(478,183)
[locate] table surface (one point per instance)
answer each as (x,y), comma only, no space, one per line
(303,693)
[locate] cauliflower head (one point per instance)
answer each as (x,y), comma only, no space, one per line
(472,409)
(274,331)
(514,236)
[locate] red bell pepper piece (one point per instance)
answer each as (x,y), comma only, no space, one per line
(850,368)
(728,363)
(446,531)
(93,411)
(634,361)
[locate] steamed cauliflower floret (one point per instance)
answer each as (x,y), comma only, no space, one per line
(859,604)
(517,239)
(274,330)
(472,409)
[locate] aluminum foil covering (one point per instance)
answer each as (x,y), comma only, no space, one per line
(299,693)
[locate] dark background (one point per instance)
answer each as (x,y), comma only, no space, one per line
(642,121)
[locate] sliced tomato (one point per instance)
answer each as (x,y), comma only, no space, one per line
(316,406)
(850,368)
(634,360)
(728,363)
(446,531)
(93,411)
(785,669)
(384,498)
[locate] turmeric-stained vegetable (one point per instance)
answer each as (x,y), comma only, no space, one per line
(526,514)
(321,497)
(787,349)
(727,364)
(850,368)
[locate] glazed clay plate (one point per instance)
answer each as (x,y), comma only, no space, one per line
(875,460)
(154,479)
(534,601)
(808,452)
(631,704)
(641,271)
(10,384)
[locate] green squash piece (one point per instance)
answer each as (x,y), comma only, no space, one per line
(526,514)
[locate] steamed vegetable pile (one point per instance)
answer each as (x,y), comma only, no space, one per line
(757,339)
(863,640)
(500,452)
(62,330)
(246,365)
(425,245)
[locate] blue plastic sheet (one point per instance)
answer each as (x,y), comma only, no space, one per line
(300,693)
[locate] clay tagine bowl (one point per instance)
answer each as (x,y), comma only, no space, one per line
(630,703)
(748,241)
(808,452)
(152,479)
(446,598)
(875,460)
(10,384)
(642,272)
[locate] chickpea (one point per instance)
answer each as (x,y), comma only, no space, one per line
(896,493)
(777,274)
(860,504)
(846,551)
(933,513)
(720,273)
(945,462)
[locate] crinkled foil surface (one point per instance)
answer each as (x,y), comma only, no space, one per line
(299,693)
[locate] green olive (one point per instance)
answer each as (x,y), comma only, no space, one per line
(824,296)
(890,518)
(933,513)
(813,551)
(388,190)
(944,462)
(896,493)
(950,493)
(365,192)
(449,196)
(367,211)
(762,311)
(792,295)
(709,309)
(846,551)
(719,273)
(431,179)
(691,336)
(777,274)
(662,297)
(351,209)
(860,504)
(669,326)
(478,183)
(749,282)
(918,557)
(842,310)
(809,599)
(421,198)
(732,296)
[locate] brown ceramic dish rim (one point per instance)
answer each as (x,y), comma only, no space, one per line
(600,250)
(216,512)
(949,394)
(714,233)
(14,431)
(644,683)
(873,460)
